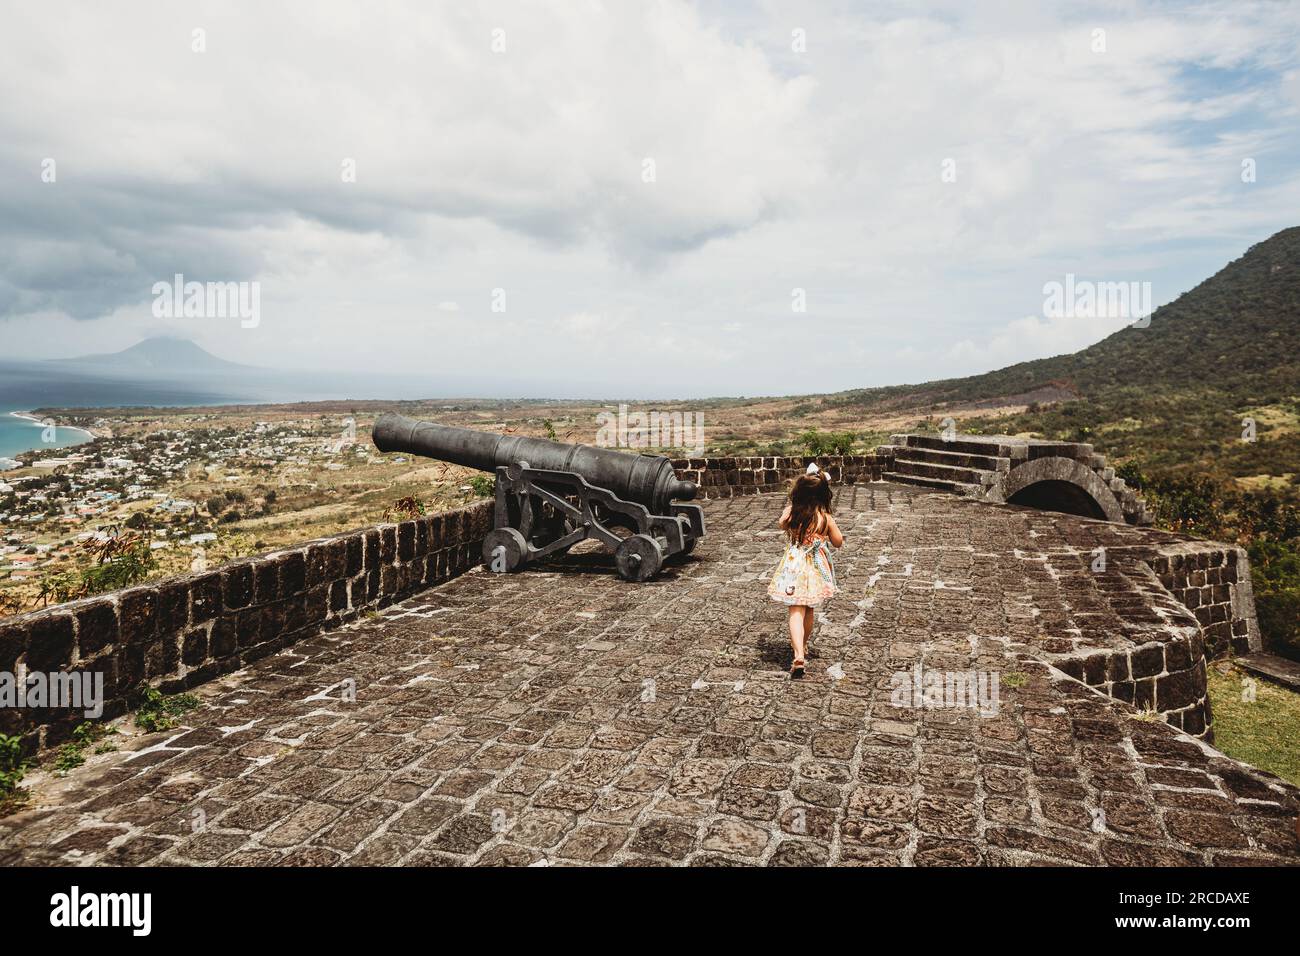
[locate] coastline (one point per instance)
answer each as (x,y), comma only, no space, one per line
(28,416)
(79,436)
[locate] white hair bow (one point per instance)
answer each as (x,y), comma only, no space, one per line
(812,469)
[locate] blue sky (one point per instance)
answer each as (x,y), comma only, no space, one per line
(501,146)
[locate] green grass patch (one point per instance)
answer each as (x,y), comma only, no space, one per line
(73,754)
(157,711)
(1264,733)
(13,766)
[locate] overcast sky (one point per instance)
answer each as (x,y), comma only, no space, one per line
(507,146)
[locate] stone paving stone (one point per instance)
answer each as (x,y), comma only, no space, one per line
(563,716)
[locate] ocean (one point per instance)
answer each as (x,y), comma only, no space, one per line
(47,385)
(21,434)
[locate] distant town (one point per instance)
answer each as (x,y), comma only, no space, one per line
(209,488)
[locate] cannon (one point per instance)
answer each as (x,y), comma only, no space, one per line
(551,495)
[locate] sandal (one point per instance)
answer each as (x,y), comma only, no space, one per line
(796,669)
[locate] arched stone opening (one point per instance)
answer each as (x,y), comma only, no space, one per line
(1059,484)
(1058,496)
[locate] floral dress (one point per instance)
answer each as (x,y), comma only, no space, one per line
(805,576)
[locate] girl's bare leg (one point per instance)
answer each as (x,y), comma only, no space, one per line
(809,619)
(797,631)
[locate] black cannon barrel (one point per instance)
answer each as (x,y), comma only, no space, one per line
(646,479)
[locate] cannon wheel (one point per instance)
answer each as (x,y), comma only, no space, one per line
(513,550)
(639,558)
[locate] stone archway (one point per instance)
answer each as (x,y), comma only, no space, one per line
(1057,484)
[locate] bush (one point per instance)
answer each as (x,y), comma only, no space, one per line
(139,521)
(827,443)
(155,711)
(1279,620)
(120,562)
(12,768)
(1268,526)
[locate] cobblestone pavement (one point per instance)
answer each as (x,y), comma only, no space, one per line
(564,716)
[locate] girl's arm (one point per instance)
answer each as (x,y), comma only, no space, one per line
(833,532)
(785,517)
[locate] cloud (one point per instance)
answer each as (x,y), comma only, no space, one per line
(524,170)
(388,127)
(1033,335)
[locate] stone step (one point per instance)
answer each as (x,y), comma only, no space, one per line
(955,459)
(1079,451)
(1278,669)
(994,446)
(957,475)
(938,484)
(972,463)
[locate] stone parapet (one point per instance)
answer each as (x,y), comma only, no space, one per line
(178,632)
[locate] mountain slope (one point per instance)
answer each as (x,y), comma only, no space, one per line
(1237,332)
(162,354)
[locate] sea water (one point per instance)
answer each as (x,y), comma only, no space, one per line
(23,434)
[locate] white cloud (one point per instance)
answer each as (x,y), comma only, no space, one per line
(1034,336)
(522,171)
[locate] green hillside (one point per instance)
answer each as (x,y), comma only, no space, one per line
(1168,404)
(1238,331)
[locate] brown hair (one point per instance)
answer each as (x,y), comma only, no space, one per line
(809,495)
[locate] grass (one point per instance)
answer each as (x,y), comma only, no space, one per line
(160,712)
(73,754)
(12,768)
(1264,733)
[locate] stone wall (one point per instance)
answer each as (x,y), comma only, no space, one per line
(757,474)
(1214,585)
(1158,662)
(179,632)
(1188,603)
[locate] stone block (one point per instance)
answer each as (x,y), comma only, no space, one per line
(96,626)
(237,585)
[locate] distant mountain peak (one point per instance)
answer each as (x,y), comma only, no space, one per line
(164,353)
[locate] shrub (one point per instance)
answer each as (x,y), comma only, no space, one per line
(156,711)
(12,768)
(1267,525)
(827,443)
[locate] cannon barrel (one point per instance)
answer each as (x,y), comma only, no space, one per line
(646,479)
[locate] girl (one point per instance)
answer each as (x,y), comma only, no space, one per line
(805,577)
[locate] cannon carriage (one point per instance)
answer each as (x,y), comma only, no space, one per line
(551,495)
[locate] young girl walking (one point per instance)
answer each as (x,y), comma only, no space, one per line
(805,578)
